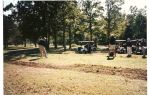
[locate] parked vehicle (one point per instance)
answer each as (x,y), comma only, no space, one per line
(86,47)
(121,46)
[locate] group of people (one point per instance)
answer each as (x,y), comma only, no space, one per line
(139,46)
(42,42)
(128,44)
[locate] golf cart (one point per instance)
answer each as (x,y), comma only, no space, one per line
(86,47)
(138,49)
(121,46)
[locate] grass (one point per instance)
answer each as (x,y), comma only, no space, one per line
(27,80)
(70,58)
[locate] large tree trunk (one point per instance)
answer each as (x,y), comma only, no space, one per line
(5,35)
(108,22)
(64,40)
(54,29)
(91,37)
(55,39)
(90,27)
(108,30)
(48,41)
(25,43)
(35,44)
(5,44)
(70,37)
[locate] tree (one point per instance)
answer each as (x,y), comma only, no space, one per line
(136,23)
(92,10)
(121,26)
(72,20)
(66,20)
(34,18)
(9,27)
(23,14)
(113,15)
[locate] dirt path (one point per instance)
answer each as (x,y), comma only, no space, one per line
(98,69)
(27,80)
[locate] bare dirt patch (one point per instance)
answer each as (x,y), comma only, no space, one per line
(99,69)
(26,80)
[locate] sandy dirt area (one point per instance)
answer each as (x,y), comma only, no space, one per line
(25,80)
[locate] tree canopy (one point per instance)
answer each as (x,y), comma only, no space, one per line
(67,22)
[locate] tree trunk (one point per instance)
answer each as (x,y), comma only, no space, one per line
(47,40)
(55,39)
(70,37)
(54,29)
(5,44)
(5,35)
(108,30)
(108,22)
(64,41)
(90,27)
(35,44)
(91,32)
(25,43)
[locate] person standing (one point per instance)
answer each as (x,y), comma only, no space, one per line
(46,43)
(143,46)
(42,47)
(112,44)
(129,47)
(138,44)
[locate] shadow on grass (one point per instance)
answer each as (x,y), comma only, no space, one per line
(34,52)
(34,59)
(110,58)
(55,51)
(16,48)
(18,54)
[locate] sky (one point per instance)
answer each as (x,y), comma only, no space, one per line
(138,3)
(125,6)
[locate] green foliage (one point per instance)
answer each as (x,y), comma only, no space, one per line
(92,11)
(136,24)
(9,29)
(66,23)
(8,7)
(113,8)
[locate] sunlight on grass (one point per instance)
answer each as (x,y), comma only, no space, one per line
(70,58)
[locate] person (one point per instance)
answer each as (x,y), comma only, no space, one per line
(42,46)
(87,48)
(112,45)
(46,43)
(143,46)
(138,44)
(129,47)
